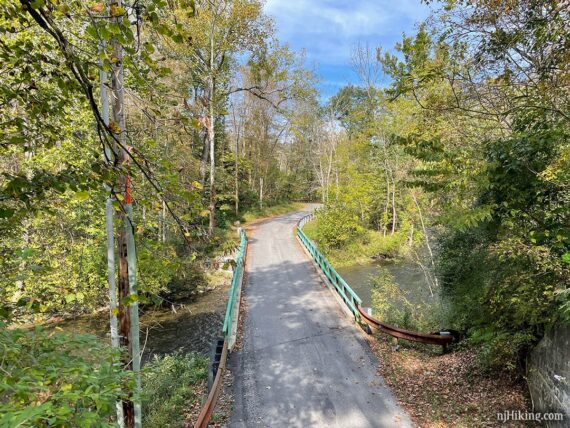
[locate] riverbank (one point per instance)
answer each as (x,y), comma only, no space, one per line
(368,246)
(187,325)
(390,274)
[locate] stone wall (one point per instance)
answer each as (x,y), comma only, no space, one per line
(549,374)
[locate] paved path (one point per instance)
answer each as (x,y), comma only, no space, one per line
(303,363)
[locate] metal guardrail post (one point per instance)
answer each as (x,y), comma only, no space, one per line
(347,294)
(353,301)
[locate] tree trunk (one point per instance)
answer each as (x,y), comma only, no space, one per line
(109,228)
(426,238)
(237,178)
(260,193)
(387,206)
(212,139)
(237,131)
(163,221)
(133,306)
(394,214)
(205,155)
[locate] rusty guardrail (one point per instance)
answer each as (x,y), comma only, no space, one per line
(208,409)
(229,327)
(353,301)
(400,333)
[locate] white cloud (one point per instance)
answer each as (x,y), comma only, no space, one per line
(328,29)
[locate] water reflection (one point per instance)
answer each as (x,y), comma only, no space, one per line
(407,275)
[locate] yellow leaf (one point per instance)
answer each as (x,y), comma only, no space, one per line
(114,127)
(116,10)
(97,7)
(82,196)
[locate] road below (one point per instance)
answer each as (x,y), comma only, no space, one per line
(302,363)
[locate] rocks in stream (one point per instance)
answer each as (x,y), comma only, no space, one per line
(382,257)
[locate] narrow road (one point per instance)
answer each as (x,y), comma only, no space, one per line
(303,363)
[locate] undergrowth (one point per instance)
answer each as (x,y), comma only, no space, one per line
(361,248)
(171,385)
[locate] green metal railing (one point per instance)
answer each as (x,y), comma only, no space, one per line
(353,302)
(236,278)
(349,297)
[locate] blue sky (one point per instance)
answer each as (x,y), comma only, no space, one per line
(327,30)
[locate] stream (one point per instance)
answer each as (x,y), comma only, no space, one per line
(192,326)
(407,275)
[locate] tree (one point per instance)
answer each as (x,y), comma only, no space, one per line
(232,27)
(489,82)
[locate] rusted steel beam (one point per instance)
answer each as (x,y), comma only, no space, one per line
(400,333)
(206,413)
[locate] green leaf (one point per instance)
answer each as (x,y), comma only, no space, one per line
(36,4)
(6,212)
(149,47)
(82,195)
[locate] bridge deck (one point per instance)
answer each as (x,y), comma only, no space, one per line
(302,363)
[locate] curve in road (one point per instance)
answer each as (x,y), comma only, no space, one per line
(302,363)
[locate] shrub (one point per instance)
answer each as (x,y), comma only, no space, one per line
(394,305)
(505,305)
(499,351)
(170,385)
(58,379)
(336,226)
(388,302)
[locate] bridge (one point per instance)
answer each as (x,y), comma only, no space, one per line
(304,361)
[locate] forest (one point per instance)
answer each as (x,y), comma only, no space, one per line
(137,136)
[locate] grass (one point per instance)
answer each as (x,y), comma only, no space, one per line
(173,387)
(361,249)
(271,211)
(310,229)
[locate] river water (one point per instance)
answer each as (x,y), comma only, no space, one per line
(407,276)
(190,326)
(194,325)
